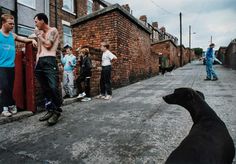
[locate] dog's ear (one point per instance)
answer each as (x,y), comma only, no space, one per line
(201,95)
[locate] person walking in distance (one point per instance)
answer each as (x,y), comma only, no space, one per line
(46,69)
(85,75)
(7,63)
(105,81)
(211,75)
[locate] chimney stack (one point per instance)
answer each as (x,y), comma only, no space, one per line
(155,25)
(143,18)
(126,7)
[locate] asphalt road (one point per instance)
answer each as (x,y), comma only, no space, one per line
(135,127)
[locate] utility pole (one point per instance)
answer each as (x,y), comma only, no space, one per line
(181,51)
(189,60)
(211,38)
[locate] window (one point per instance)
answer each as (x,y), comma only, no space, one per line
(89,7)
(67,35)
(24,30)
(29,3)
(68,5)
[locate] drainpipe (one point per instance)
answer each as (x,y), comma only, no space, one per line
(56,13)
(16,17)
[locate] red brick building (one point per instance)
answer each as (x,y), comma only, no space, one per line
(129,41)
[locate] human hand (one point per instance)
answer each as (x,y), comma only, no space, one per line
(34,43)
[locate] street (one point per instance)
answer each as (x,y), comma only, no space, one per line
(135,127)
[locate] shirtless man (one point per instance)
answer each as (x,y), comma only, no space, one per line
(46,70)
(7,63)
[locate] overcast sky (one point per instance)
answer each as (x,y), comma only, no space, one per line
(216,18)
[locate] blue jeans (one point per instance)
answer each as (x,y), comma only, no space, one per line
(209,69)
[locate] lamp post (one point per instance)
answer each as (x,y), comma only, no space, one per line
(190,39)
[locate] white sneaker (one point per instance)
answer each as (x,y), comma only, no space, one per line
(108,97)
(81,95)
(6,113)
(86,99)
(12,109)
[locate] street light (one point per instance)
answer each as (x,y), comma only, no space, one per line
(190,42)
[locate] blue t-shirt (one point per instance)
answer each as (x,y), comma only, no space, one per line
(7,50)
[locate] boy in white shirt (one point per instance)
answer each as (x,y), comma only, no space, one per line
(105,81)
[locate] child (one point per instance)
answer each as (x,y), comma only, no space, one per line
(105,81)
(85,75)
(69,62)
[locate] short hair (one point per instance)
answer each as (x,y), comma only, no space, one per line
(42,16)
(85,51)
(105,44)
(212,44)
(4,17)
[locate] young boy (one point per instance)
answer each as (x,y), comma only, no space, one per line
(69,62)
(105,81)
(85,75)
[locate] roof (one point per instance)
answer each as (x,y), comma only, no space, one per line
(115,7)
(162,41)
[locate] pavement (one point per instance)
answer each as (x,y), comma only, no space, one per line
(135,127)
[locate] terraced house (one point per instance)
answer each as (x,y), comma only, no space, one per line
(86,23)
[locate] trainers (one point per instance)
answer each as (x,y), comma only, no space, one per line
(81,95)
(6,113)
(108,97)
(12,109)
(207,79)
(46,116)
(100,97)
(86,99)
(215,79)
(54,118)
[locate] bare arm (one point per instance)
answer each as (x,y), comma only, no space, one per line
(48,42)
(25,40)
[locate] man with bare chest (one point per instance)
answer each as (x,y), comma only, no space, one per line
(46,70)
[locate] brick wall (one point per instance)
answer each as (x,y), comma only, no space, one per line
(130,43)
(168,49)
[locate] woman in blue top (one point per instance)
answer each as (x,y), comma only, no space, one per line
(7,63)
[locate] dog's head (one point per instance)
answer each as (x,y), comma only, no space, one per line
(183,95)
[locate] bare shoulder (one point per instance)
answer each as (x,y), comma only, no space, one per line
(54,30)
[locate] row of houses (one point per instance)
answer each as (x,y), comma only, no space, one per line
(227,55)
(138,45)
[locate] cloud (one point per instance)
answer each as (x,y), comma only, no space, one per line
(208,19)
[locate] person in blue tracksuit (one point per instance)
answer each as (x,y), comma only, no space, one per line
(211,75)
(69,62)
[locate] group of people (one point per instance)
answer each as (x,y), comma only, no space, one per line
(69,62)
(46,39)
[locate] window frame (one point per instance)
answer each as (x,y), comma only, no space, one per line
(89,8)
(66,34)
(27,4)
(72,11)
(23,26)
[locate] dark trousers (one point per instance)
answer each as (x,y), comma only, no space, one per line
(86,85)
(7,77)
(46,72)
(105,81)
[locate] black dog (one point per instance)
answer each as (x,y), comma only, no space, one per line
(167,69)
(208,141)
